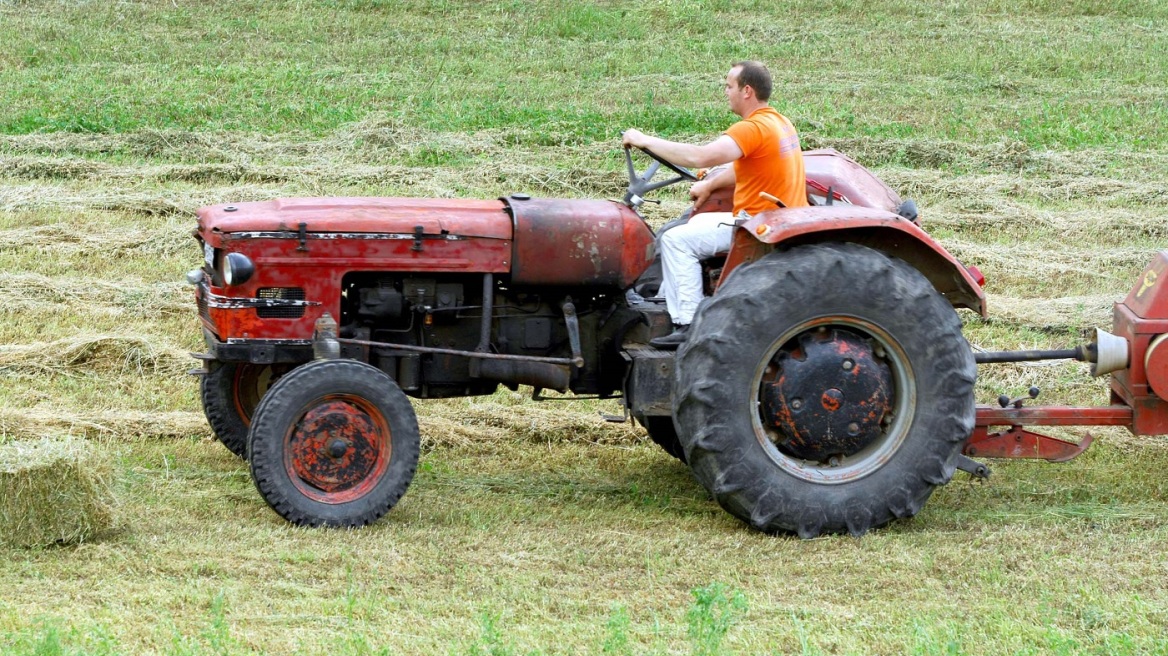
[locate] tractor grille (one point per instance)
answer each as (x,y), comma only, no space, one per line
(203,311)
(281,311)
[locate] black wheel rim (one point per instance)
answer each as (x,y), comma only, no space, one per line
(894,421)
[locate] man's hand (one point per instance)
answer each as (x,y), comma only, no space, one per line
(633,138)
(700,192)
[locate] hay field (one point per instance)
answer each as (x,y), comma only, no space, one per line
(1031,134)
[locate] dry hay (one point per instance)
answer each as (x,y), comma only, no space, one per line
(110,424)
(94,354)
(509,417)
(1061,382)
(1055,314)
(53,491)
(1009,156)
(32,291)
(995,188)
(66,240)
(1061,271)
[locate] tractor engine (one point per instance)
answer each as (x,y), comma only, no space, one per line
(444,315)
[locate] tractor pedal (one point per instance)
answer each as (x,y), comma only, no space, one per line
(614,419)
(973,467)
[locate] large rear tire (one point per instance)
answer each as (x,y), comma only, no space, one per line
(824,389)
(334,443)
(230,392)
(663,433)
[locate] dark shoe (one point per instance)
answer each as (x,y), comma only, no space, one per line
(673,340)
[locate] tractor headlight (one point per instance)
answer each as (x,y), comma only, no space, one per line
(237,269)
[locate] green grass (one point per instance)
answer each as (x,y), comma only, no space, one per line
(976,72)
(1030,133)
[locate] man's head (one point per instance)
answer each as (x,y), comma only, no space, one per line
(748,87)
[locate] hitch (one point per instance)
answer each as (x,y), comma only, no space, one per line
(972,467)
(1019,442)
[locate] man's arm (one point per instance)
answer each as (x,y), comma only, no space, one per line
(701,190)
(719,151)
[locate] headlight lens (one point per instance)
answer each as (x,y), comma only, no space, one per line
(237,269)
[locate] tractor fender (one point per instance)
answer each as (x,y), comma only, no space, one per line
(877,229)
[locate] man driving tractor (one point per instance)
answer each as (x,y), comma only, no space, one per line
(767,160)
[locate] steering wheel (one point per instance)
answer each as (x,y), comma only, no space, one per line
(639,185)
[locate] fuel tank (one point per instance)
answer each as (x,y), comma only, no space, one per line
(578,242)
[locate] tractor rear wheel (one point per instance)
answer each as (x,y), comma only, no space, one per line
(230,392)
(662,431)
(333,443)
(827,388)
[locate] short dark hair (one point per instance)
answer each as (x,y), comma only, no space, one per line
(754,74)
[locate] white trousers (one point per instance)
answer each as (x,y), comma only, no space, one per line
(682,250)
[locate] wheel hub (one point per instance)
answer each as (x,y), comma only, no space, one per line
(828,395)
(335,447)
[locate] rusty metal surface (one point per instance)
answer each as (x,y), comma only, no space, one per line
(339,450)
(875,228)
(470,218)
(1017,442)
(827,395)
(1113,415)
(578,242)
(230,312)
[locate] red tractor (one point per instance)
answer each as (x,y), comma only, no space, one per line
(825,385)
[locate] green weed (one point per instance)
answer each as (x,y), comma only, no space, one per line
(715,610)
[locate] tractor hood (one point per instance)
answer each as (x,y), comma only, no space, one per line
(469,218)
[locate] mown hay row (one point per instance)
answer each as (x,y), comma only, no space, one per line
(94,354)
(33,291)
(25,423)
(992,189)
(462,423)
(1005,156)
(1060,382)
(1057,272)
(1055,314)
(382,139)
(119,188)
(1016,224)
(53,491)
(163,239)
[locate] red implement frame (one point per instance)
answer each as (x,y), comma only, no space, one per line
(1018,442)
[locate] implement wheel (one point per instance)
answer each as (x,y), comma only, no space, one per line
(333,443)
(824,389)
(230,392)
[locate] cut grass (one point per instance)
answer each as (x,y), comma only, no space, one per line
(1029,133)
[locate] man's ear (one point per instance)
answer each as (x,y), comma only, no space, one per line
(748,91)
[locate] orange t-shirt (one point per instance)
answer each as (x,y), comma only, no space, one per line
(771,161)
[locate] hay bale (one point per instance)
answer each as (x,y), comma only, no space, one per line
(53,491)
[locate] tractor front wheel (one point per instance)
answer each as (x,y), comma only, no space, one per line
(827,388)
(230,392)
(333,443)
